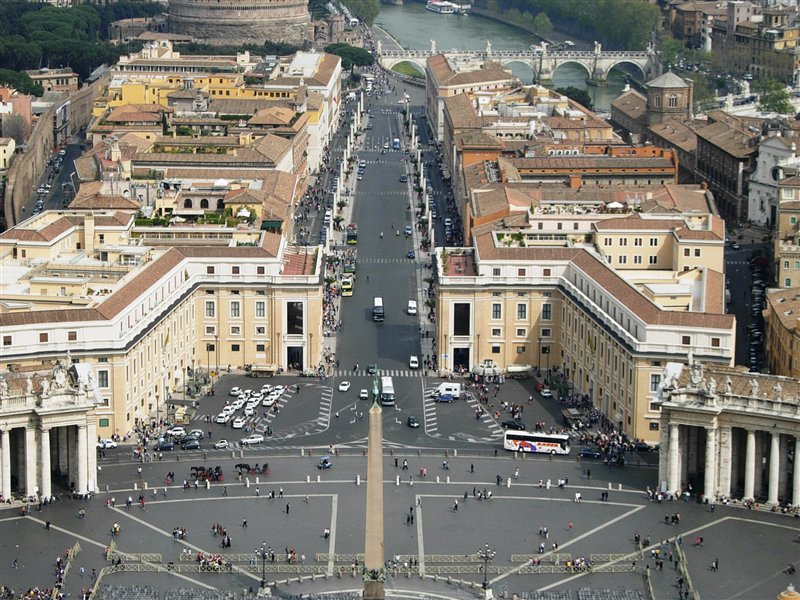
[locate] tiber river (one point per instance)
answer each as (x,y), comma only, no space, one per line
(414,27)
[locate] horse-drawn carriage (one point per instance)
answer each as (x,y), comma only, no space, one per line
(204,473)
(247,469)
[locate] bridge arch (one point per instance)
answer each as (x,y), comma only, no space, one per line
(390,62)
(580,63)
(521,66)
(413,64)
(634,64)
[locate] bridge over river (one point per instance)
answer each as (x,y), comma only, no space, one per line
(597,63)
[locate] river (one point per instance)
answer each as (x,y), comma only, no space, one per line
(414,28)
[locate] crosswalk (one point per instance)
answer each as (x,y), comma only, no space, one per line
(345,373)
(431,408)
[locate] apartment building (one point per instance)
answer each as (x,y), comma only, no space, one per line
(582,304)
(787,239)
(782,331)
(55,80)
(122,301)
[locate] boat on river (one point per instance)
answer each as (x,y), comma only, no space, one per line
(441,6)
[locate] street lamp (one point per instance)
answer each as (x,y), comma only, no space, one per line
(263,553)
(208,366)
(486,554)
(539,359)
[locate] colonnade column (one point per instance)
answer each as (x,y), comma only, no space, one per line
(45,488)
(750,465)
(774,467)
(795,477)
(725,457)
(710,484)
(91,435)
(30,461)
(83,459)
(674,457)
(5,463)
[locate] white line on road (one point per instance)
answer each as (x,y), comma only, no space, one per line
(332,539)
(420,540)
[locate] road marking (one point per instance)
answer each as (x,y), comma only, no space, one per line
(332,539)
(420,537)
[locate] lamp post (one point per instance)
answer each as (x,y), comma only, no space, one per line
(486,554)
(539,353)
(216,367)
(263,553)
(208,366)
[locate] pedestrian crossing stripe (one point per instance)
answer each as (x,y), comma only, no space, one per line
(384,261)
(345,373)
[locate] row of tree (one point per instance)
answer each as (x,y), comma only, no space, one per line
(365,10)
(618,24)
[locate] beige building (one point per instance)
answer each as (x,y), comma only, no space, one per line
(728,434)
(55,80)
(523,296)
(7,147)
(787,238)
(782,331)
(73,280)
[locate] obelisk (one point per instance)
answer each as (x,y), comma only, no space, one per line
(374,572)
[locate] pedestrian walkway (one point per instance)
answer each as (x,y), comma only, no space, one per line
(345,373)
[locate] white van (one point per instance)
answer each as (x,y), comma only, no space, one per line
(328,217)
(448,389)
(412,307)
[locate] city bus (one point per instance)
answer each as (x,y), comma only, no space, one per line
(369,81)
(377,309)
(347,286)
(529,441)
(352,234)
(387,391)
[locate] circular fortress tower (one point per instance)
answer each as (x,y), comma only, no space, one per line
(241,21)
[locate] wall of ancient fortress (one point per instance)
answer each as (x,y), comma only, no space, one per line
(251,21)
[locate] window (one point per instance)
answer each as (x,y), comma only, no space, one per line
(72,336)
(261,330)
(673,101)
(547,312)
(235,270)
(209,270)
(43,338)
(260,309)
(653,242)
(623,260)
(715,342)
(236,330)
(294,318)
(686,340)
(496,332)
(497,311)
(654,424)
(608,242)
(522,312)
(697,252)
(260,270)
(102,379)
(786,264)
(521,332)
(104,422)
(623,241)
(546,272)
(520,349)
(520,272)
(210,308)
(260,347)
(655,382)
(656,101)
(687,251)
(652,259)
(546,332)
(793,220)
(234,347)
(637,241)
(461,318)
(236,311)
(787,282)
(495,349)
(496,272)
(797,265)
(637,260)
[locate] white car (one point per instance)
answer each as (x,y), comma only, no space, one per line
(363,394)
(268,401)
(238,422)
(237,404)
(412,307)
(413,362)
(221,444)
(266,388)
(176,431)
(198,433)
(546,393)
(249,411)
(228,410)
(222,418)
(344,386)
(256,438)
(279,389)
(235,391)
(102,444)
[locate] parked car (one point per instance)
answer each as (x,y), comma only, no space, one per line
(176,431)
(238,422)
(191,445)
(198,433)
(256,438)
(235,391)
(164,446)
(108,443)
(589,453)
(413,422)
(512,424)
(221,444)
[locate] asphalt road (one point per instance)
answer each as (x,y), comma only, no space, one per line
(54,198)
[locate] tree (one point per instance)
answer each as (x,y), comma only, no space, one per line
(21,82)
(773,96)
(542,23)
(366,10)
(14,127)
(351,56)
(580,96)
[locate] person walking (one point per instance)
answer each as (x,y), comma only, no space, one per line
(288,507)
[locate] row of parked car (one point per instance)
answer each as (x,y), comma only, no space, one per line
(756,327)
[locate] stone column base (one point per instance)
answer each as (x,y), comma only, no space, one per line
(373,590)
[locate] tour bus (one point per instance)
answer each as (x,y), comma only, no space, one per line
(347,286)
(377,309)
(351,234)
(387,391)
(369,81)
(396,143)
(529,441)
